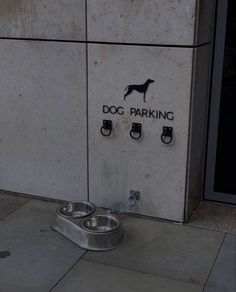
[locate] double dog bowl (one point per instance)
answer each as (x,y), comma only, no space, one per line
(89,227)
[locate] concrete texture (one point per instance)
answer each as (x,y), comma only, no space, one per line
(163,249)
(43,131)
(44,19)
(35,256)
(89,276)
(214,216)
(157,170)
(150,22)
(223,276)
(10,203)
(204,26)
(197,133)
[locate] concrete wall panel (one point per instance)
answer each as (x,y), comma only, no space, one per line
(198,122)
(43,119)
(119,164)
(149,22)
(44,19)
(204,21)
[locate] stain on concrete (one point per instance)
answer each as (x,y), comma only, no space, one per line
(4,254)
(44,230)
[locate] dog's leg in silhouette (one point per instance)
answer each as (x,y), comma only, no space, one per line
(128,91)
(144,96)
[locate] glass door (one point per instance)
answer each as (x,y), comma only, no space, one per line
(221,154)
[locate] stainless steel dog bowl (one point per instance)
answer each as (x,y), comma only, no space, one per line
(77,209)
(89,227)
(101,223)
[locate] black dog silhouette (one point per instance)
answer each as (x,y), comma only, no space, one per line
(142,88)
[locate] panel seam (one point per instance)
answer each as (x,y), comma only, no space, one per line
(106,43)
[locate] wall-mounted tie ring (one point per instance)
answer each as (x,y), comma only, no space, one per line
(136,131)
(167,135)
(106,128)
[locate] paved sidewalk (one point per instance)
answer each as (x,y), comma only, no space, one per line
(155,256)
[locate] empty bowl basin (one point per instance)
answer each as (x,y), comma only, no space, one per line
(101,223)
(77,209)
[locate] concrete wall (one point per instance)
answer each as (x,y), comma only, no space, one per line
(53,92)
(44,19)
(43,118)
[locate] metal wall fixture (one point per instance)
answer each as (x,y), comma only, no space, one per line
(89,227)
(167,135)
(136,131)
(106,128)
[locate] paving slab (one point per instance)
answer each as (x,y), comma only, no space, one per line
(164,249)
(223,276)
(89,276)
(33,256)
(9,203)
(214,216)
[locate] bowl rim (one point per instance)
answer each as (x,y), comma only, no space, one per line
(76,202)
(114,218)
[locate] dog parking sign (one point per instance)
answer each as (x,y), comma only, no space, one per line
(142,112)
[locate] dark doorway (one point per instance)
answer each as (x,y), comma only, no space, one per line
(225,171)
(221,162)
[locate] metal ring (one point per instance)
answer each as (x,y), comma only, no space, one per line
(134,137)
(164,140)
(105,134)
